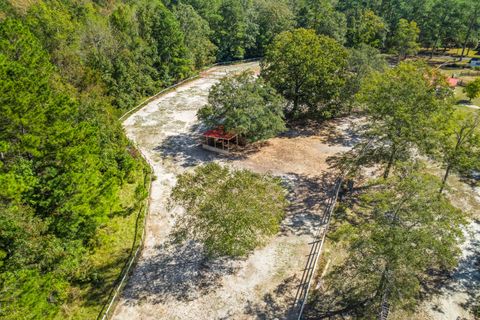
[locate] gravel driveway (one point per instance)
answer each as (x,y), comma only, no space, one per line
(172,281)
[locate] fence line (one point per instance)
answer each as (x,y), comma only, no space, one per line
(312,262)
(114,293)
(175,85)
(303,290)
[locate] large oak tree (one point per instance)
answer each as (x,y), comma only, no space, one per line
(307,69)
(230,212)
(245,105)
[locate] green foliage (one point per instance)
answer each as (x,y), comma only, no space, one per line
(444,24)
(403,229)
(272,17)
(163,35)
(367,28)
(405,38)
(197,35)
(321,16)
(400,104)
(245,105)
(62,163)
(230,211)
(126,55)
(236,32)
(472,89)
(307,69)
(363,61)
(457,142)
(68,68)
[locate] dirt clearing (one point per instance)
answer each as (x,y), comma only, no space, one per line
(174,281)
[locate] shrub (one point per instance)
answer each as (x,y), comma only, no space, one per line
(472,89)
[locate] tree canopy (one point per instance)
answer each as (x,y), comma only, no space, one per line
(457,143)
(62,163)
(307,69)
(69,69)
(245,105)
(472,89)
(400,104)
(404,41)
(322,16)
(230,211)
(399,230)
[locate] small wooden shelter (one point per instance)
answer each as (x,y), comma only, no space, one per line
(218,140)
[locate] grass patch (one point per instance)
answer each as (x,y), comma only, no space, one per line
(113,245)
(468,53)
(465,75)
(460,96)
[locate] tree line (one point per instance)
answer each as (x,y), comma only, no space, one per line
(126,50)
(69,68)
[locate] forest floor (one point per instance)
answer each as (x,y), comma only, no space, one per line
(173,281)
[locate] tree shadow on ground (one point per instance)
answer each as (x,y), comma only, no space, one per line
(307,197)
(337,132)
(185,149)
(465,102)
(179,271)
(101,280)
(472,179)
(466,278)
(276,304)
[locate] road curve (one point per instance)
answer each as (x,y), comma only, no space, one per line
(162,130)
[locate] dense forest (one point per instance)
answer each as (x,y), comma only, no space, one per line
(70,68)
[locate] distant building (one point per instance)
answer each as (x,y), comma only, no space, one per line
(452,82)
(474,62)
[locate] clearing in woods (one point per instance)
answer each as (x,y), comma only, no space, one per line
(172,281)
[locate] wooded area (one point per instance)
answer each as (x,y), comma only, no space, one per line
(69,69)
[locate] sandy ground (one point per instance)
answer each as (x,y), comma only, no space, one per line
(174,281)
(463,288)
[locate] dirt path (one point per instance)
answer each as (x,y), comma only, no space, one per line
(174,281)
(462,290)
(471,106)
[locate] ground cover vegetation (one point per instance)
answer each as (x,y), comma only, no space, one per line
(70,179)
